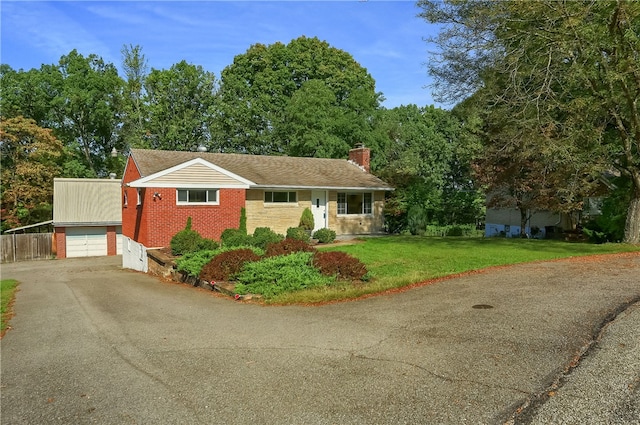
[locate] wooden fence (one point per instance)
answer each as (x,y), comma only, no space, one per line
(26,246)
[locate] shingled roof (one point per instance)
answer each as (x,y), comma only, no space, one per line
(268,171)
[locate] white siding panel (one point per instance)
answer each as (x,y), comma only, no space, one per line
(119,240)
(86,241)
(87,201)
(196,174)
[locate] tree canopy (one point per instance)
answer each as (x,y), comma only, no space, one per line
(30,161)
(558,84)
(304,98)
(261,111)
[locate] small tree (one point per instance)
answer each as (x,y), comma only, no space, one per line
(188,240)
(243,220)
(306,220)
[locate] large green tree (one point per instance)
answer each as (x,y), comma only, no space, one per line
(180,104)
(425,153)
(559,83)
(261,111)
(85,112)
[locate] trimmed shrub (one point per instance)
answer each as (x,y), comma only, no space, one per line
(339,264)
(325,235)
(235,237)
(187,240)
(227,264)
(286,247)
(193,262)
(306,220)
(263,236)
(298,233)
(276,275)
(207,244)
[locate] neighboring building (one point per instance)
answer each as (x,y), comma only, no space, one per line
(506,222)
(161,189)
(87,217)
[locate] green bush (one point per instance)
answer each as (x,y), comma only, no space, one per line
(287,246)
(325,235)
(235,237)
(306,220)
(227,264)
(298,233)
(184,241)
(193,262)
(595,233)
(207,244)
(455,231)
(187,240)
(468,230)
(276,275)
(263,236)
(417,220)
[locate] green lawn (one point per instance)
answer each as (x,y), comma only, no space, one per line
(7,293)
(398,261)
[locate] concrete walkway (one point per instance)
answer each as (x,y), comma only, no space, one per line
(92,343)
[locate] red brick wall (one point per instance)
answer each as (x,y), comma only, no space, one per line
(112,247)
(61,242)
(164,218)
(158,218)
(130,223)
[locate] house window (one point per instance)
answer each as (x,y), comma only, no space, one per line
(274,197)
(197,196)
(355,203)
(139,193)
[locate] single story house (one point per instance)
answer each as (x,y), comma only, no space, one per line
(162,189)
(539,224)
(87,217)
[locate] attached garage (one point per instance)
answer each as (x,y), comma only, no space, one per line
(87,217)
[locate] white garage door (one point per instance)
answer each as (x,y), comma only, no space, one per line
(86,241)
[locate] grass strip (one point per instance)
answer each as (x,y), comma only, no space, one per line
(8,288)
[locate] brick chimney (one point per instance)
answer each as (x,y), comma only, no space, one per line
(361,156)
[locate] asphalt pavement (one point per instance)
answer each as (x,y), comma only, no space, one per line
(552,342)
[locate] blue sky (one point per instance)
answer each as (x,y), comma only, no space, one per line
(386,37)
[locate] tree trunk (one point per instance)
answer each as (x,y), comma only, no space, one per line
(523,222)
(632,225)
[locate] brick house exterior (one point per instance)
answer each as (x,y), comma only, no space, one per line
(162,189)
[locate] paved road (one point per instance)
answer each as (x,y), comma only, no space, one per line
(92,343)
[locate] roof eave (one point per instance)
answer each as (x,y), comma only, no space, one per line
(137,184)
(298,187)
(87,223)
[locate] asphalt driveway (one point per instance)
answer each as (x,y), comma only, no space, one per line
(93,343)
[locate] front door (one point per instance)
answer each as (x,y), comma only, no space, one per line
(319,209)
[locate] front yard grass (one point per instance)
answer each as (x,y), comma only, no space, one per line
(399,261)
(8,288)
